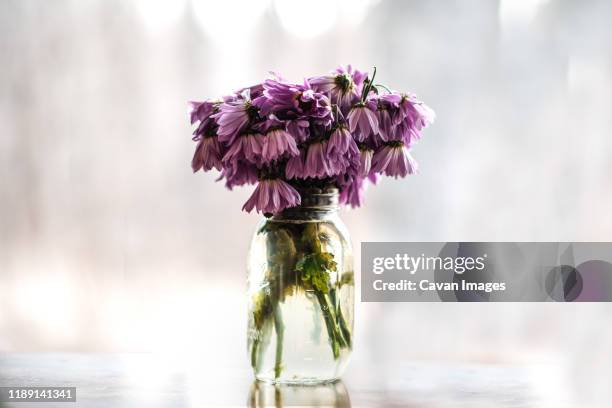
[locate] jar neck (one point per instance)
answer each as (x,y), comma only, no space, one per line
(316,204)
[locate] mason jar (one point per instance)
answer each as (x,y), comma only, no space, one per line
(301,293)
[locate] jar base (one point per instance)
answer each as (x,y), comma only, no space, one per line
(306,381)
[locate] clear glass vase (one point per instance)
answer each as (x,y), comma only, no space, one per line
(301,293)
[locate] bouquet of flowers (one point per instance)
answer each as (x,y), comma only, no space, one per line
(339,129)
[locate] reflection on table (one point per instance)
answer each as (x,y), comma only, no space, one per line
(321,395)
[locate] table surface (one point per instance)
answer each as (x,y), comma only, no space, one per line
(138,380)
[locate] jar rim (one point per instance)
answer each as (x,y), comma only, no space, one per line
(316,200)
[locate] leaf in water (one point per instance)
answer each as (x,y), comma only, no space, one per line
(315,269)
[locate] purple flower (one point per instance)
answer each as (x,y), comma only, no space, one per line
(402,117)
(363,121)
(276,143)
(352,193)
(336,129)
(317,163)
(342,151)
(343,86)
(251,92)
(293,101)
(388,113)
(316,106)
(271,196)
(207,155)
(416,113)
(393,159)
(295,166)
(238,173)
(246,147)
(233,116)
(365,161)
(199,111)
(340,142)
(299,128)
(279,97)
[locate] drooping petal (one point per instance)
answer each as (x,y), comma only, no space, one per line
(207,155)
(295,166)
(276,143)
(232,118)
(271,196)
(362,122)
(365,161)
(317,164)
(394,161)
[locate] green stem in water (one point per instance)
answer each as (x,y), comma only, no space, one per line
(279,328)
(329,322)
(260,344)
(341,321)
(346,333)
(254,348)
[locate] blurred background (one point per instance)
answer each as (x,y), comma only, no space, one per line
(108,242)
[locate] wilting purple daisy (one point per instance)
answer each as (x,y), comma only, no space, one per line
(299,128)
(295,166)
(232,118)
(352,193)
(388,115)
(340,142)
(271,196)
(341,129)
(317,163)
(238,173)
(279,96)
(316,106)
(199,111)
(363,120)
(405,133)
(293,101)
(414,112)
(207,155)
(402,117)
(246,147)
(341,150)
(343,86)
(393,159)
(276,143)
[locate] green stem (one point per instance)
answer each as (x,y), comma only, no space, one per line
(279,328)
(346,333)
(260,344)
(341,321)
(329,322)
(367,87)
(254,347)
(382,86)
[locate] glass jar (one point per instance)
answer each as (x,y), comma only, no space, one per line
(264,395)
(301,293)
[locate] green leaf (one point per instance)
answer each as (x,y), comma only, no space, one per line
(315,269)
